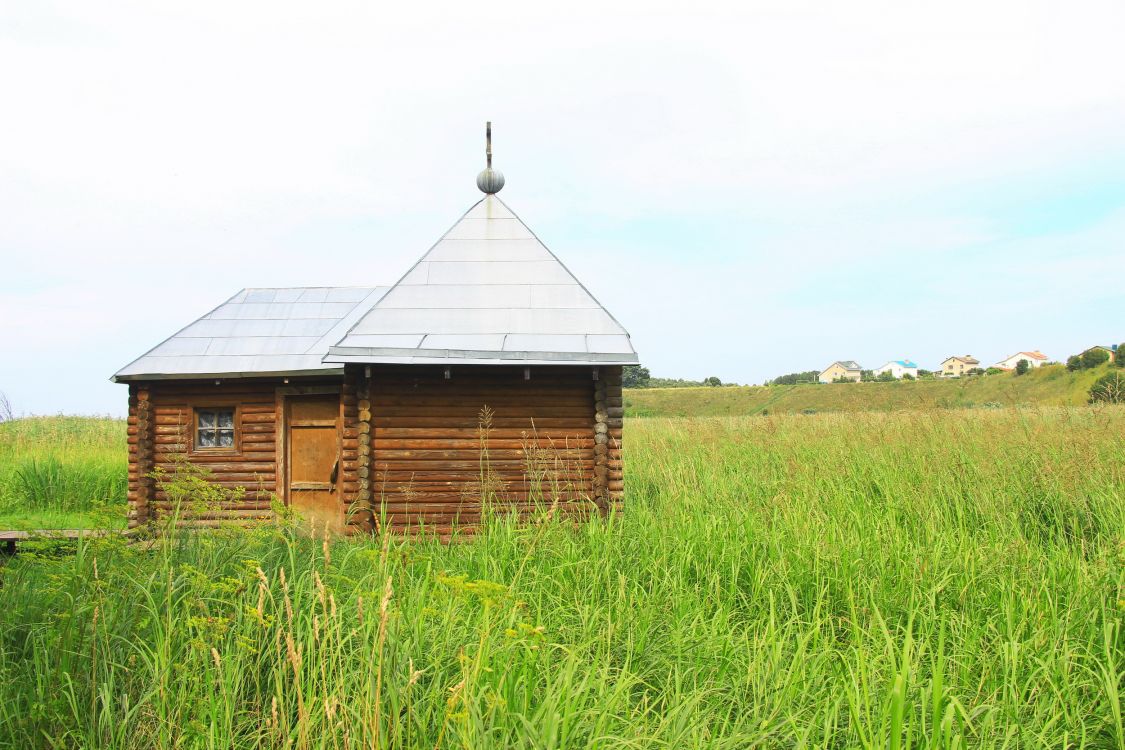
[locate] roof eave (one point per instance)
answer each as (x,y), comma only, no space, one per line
(385,355)
(131,377)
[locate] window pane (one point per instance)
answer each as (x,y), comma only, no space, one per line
(226,438)
(206,418)
(226,418)
(206,438)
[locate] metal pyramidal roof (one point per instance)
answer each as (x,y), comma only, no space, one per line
(489,292)
(258,332)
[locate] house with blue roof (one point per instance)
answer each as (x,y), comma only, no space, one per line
(898,368)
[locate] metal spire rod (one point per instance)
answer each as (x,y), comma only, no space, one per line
(488,142)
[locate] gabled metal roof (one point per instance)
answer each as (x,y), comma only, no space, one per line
(489,292)
(847,364)
(259,332)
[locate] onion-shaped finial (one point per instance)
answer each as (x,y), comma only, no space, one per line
(490,181)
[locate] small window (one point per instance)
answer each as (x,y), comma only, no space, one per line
(214,428)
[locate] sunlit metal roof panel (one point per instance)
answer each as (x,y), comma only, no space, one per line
(488,291)
(259,332)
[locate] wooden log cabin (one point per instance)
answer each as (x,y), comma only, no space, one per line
(487,371)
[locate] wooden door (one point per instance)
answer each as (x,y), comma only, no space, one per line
(313,440)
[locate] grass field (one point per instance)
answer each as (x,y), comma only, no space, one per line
(944,579)
(62,472)
(1050,385)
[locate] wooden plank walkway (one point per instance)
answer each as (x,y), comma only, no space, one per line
(11,537)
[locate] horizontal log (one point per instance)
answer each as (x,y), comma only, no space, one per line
(218,523)
(469,481)
(249,480)
(493,443)
(492,452)
(245,505)
(496,461)
(255,392)
(231,515)
(436,432)
(496,401)
(225,467)
(165,451)
(468,411)
(464,382)
(443,500)
(250,487)
(448,421)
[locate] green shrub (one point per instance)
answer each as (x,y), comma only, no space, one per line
(1022,367)
(809,376)
(634,376)
(1092,358)
(1109,389)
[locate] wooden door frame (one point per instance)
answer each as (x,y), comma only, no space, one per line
(281,417)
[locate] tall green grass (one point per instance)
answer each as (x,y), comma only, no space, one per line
(67,470)
(939,580)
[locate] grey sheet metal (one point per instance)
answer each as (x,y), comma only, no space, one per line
(489,292)
(258,332)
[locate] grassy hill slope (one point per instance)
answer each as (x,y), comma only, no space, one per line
(1048,386)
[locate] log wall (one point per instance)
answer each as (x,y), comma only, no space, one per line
(416,448)
(161,439)
(439,445)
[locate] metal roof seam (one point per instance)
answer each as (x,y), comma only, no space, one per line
(377,292)
(113,378)
(552,254)
(420,260)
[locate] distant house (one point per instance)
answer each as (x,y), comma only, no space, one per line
(1035,359)
(846,369)
(1110,350)
(956,366)
(898,368)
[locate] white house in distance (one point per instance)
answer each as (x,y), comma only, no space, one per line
(898,368)
(1035,359)
(847,369)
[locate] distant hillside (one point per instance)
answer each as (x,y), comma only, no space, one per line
(1050,385)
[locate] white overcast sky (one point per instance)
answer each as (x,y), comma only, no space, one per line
(751,188)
